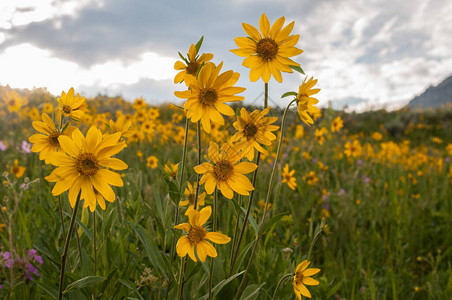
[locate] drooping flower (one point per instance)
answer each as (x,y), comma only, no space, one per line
(267,53)
(72,106)
(171,169)
(46,142)
(83,167)
(198,237)
(191,67)
(190,195)
(208,93)
(302,277)
(306,102)
(254,129)
(225,172)
(288,177)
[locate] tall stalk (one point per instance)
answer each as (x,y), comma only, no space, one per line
(214,227)
(235,251)
(66,247)
(270,185)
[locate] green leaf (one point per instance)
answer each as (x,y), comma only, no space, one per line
(199,70)
(251,292)
(67,124)
(199,43)
(273,220)
(250,219)
(88,280)
(152,251)
(221,285)
(49,289)
(289,94)
(298,69)
(183,58)
(131,287)
(173,191)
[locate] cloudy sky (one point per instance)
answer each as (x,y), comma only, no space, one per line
(365,53)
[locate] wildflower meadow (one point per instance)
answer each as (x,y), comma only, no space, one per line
(207,198)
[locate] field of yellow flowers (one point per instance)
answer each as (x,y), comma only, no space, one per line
(103,198)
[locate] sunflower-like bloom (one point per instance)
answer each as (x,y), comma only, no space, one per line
(337,124)
(72,106)
(17,170)
(83,167)
(194,62)
(14,101)
(268,53)
(47,142)
(207,94)
(288,177)
(302,277)
(253,130)
(306,102)
(190,194)
(197,236)
(121,125)
(225,172)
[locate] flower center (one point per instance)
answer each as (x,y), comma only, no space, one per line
(299,277)
(287,177)
(87,164)
(15,170)
(250,130)
(223,170)
(267,48)
(196,234)
(11,102)
(191,199)
(192,68)
(53,138)
(208,96)
(67,109)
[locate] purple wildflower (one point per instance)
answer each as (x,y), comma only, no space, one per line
(26,147)
(2,146)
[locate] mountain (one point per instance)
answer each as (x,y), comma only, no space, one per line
(434,96)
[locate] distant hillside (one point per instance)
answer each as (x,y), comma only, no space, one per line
(434,96)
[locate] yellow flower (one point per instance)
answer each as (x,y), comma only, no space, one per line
(83,167)
(190,194)
(377,136)
(191,67)
(17,170)
(306,102)
(196,239)
(152,161)
(354,149)
(302,277)
(310,178)
(288,177)
(48,108)
(121,125)
(225,173)
(253,130)
(47,142)
(72,106)
(337,124)
(14,101)
(268,53)
(139,104)
(207,94)
(171,169)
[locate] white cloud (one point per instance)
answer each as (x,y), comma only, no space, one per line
(29,67)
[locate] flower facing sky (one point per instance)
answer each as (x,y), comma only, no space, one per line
(208,93)
(306,102)
(197,238)
(302,278)
(225,172)
(83,167)
(253,130)
(191,67)
(72,106)
(267,53)
(46,141)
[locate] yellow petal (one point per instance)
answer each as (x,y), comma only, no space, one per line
(218,238)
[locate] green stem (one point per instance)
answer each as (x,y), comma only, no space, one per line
(314,240)
(181,278)
(279,283)
(270,185)
(214,229)
(66,247)
(95,249)
(245,220)
(266,95)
